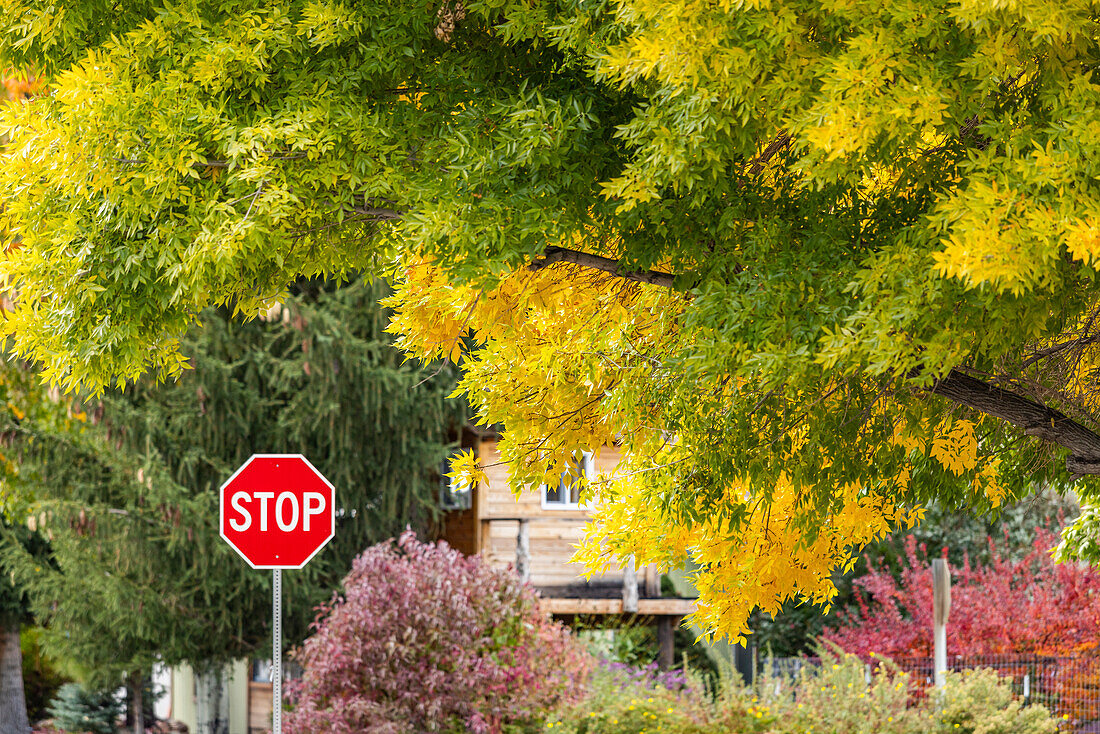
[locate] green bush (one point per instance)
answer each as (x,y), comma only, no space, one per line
(980,702)
(78,710)
(840,697)
(620,702)
(837,697)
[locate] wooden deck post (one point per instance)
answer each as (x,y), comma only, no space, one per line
(630,587)
(523,551)
(666,630)
(652,582)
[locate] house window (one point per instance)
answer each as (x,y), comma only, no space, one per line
(566,495)
(454,494)
(261,670)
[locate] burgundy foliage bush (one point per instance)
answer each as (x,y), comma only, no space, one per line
(1029,606)
(426,639)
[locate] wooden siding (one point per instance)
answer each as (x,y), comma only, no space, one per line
(553,533)
(460,530)
(259,707)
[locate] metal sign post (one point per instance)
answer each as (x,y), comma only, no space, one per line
(277,651)
(277,511)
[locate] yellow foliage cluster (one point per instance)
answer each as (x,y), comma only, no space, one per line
(545,355)
(956,448)
(554,354)
(773,556)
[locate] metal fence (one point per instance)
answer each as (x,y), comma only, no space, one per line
(1068,685)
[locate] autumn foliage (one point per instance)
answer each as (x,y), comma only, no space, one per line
(426,639)
(1031,605)
(1039,617)
(778,253)
(21,85)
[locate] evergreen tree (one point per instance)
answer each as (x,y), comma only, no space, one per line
(127,494)
(76,709)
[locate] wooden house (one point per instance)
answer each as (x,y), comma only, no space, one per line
(535,533)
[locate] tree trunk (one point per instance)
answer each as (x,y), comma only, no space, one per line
(13,704)
(137,686)
(211,702)
(1036,420)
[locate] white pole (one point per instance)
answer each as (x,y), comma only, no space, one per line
(277,651)
(941,607)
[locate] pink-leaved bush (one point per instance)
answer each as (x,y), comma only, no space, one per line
(425,639)
(1027,606)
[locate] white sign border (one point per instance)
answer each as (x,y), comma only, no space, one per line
(221,509)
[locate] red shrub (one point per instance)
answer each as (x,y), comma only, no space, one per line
(1015,610)
(1032,606)
(426,639)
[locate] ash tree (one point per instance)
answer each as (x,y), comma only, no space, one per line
(810,263)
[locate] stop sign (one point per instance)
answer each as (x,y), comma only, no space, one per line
(277,511)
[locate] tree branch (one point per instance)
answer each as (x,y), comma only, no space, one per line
(377,214)
(1036,420)
(1057,348)
(606,264)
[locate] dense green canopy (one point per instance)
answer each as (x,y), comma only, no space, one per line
(808,261)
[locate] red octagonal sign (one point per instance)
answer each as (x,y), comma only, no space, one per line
(277,511)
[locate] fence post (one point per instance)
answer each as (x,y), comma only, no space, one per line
(666,650)
(523,551)
(630,587)
(941,607)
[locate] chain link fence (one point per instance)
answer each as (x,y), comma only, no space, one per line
(1068,685)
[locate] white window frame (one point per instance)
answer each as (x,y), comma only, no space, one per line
(446,487)
(588,465)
